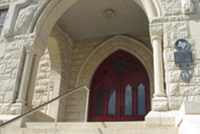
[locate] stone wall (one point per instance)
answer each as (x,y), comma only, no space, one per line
(10,65)
(177,89)
(76,101)
(65,46)
(43,86)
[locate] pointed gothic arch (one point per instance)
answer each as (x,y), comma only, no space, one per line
(128,44)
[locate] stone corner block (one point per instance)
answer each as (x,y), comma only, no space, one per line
(160,104)
(166,118)
(190,107)
(187,108)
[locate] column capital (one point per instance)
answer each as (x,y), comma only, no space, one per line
(156,31)
(37,56)
(31,45)
(156,37)
(30,51)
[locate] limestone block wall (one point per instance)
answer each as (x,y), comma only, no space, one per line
(76,101)
(177,89)
(43,86)
(9,67)
(65,45)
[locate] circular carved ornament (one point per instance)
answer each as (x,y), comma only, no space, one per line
(109,14)
(185,75)
(182,45)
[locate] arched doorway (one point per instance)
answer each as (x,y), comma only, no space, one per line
(119,89)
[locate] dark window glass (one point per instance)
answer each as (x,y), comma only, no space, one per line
(2,19)
(128,100)
(1,28)
(141,100)
(99,102)
(105,71)
(112,101)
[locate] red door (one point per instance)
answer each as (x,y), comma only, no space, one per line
(119,89)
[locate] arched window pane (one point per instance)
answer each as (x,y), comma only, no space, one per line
(141,100)
(99,102)
(128,100)
(112,101)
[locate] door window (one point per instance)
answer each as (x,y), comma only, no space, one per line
(112,101)
(128,100)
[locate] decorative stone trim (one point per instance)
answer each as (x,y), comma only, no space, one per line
(169,19)
(156,31)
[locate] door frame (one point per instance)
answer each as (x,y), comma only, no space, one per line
(147,98)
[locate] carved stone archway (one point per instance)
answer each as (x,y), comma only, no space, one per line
(55,9)
(111,45)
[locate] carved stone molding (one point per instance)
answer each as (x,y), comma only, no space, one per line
(34,46)
(169,19)
(188,6)
(156,31)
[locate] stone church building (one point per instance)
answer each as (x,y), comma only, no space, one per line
(110,66)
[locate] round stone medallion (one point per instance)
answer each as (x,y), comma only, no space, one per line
(182,45)
(185,75)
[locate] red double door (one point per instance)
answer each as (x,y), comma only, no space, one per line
(119,89)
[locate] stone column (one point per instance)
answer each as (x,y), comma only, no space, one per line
(159,102)
(25,77)
(33,76)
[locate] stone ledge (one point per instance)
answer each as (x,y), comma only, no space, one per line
(166,118)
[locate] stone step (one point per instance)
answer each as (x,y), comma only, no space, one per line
(99,128)
(149,130)
(94,125)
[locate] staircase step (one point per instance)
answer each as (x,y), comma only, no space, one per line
(95,125)
(98,131)
(92,128)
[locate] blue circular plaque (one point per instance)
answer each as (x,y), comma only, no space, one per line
(185,75)
(182,45)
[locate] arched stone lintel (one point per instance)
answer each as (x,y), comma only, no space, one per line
(51,14)
(149,7)
(55,9)
(108,47)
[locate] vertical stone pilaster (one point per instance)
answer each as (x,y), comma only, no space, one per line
(33,49)
(25,77)
(159,102)
(32,80)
